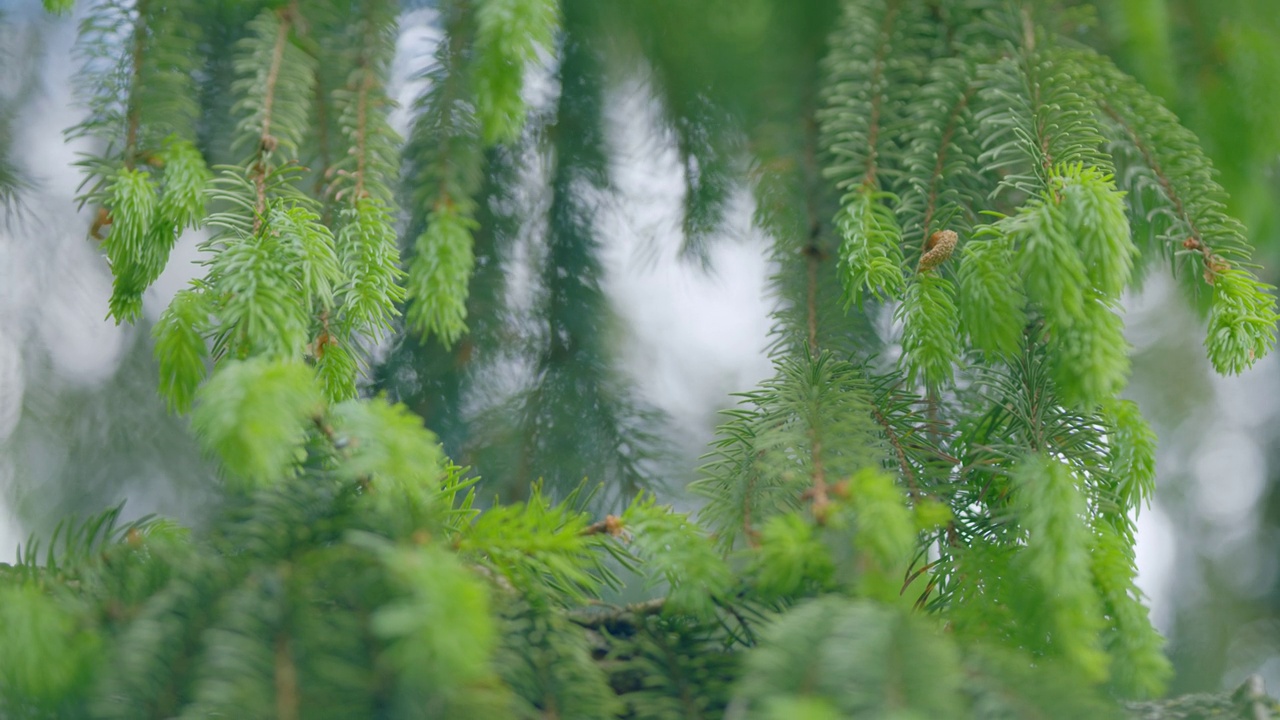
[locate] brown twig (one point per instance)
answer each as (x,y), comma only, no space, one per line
(610,525)
(286,680)
(877,98)
(1213,263)
(266,141)
(907,473)
(944,144)
(133,113)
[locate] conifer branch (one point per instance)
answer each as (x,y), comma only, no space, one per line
(366,83)
(908,474)
(445,166)
(877,83)
(323,152)
(348,548)
(1195,242)
(818,492)
(266,142)
(133,112)
(812,251)
(939,166)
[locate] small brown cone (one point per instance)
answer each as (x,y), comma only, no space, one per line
(940,246)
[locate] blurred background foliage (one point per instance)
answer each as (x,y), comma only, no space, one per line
(1217,525)
(740,69)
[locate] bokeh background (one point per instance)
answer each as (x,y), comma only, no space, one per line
(81,426)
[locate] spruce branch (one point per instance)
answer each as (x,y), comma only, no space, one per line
(1038,115)
(133,110)
(267,143)
(1176,172)
(349,570)
(444,165)
(508,35)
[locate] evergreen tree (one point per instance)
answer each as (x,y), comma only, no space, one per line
(934,520)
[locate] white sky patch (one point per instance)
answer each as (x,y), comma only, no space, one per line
(1156,558)
(55,282)
(694,336)
(1211,465)
(60,282)
(415,45)
(183,267)
(1230,472)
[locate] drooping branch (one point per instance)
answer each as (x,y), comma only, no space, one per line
(876,83)
(133,112)
(935,178)
(1213,264)
(266,141)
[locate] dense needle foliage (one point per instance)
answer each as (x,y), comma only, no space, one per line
(926,512)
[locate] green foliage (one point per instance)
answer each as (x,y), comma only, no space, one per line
(443,169)
(273,87)
(792,558)
(547,661)
(992,299)
(930,343)
(397,462)
(871,255)
(678,553)
(254,416)
(885,533)
(43,658)
(1185,218)
(1051,509)
(924,512)
(810,422)
(1139,666)
(539,547)
(508,35)
(436,673)
(368,251)
(845,658)
(1133,454)
(1242,321)
(942,175)
(1038,118)
(1075,255)
(180,347)
(442,265)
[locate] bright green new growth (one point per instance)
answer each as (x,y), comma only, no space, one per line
(389,448)
(926,510)
(439,592)
(33,623)
(442,265)
(930,341)
(509,34)
(1056,558)
(992,300)
(1073,256)
(679,554)
(871,254)
(254,416)
(181,348)
(1166,168)
(1242,321)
